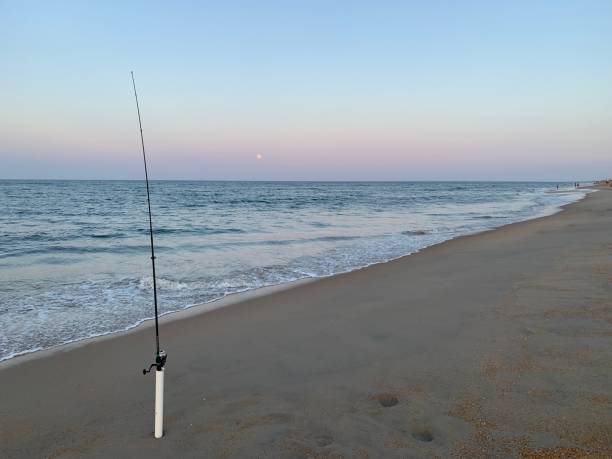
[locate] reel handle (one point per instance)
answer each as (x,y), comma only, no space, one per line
(145,371)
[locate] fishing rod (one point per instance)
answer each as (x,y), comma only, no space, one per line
(160,356)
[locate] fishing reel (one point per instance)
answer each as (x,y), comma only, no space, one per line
(160,361)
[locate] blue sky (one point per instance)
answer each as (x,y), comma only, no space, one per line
(316,90)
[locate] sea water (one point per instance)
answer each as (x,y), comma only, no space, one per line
(74,255)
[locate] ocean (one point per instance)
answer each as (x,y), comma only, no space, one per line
(74,255)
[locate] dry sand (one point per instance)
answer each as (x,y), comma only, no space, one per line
(493,345)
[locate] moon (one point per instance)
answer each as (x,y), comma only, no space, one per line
(259,156)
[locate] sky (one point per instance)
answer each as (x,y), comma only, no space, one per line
(307,90)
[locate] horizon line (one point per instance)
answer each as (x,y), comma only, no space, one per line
(297,180)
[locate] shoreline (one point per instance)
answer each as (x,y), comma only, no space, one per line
(493,344)
(238,297)
(171,316)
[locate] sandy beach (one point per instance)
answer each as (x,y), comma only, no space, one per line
(492,345)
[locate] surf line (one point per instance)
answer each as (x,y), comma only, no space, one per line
(160,356)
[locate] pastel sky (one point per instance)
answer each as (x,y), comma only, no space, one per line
(307,90)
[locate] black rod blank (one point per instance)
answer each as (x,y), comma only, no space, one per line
(144,157)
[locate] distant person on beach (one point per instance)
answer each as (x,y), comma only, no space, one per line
(557,187)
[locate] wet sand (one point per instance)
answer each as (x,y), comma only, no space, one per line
(492,345)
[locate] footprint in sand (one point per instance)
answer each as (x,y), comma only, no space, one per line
(387,400)
(422,435)
(324,440)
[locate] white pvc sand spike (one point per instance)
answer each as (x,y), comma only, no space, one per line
(159,403)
